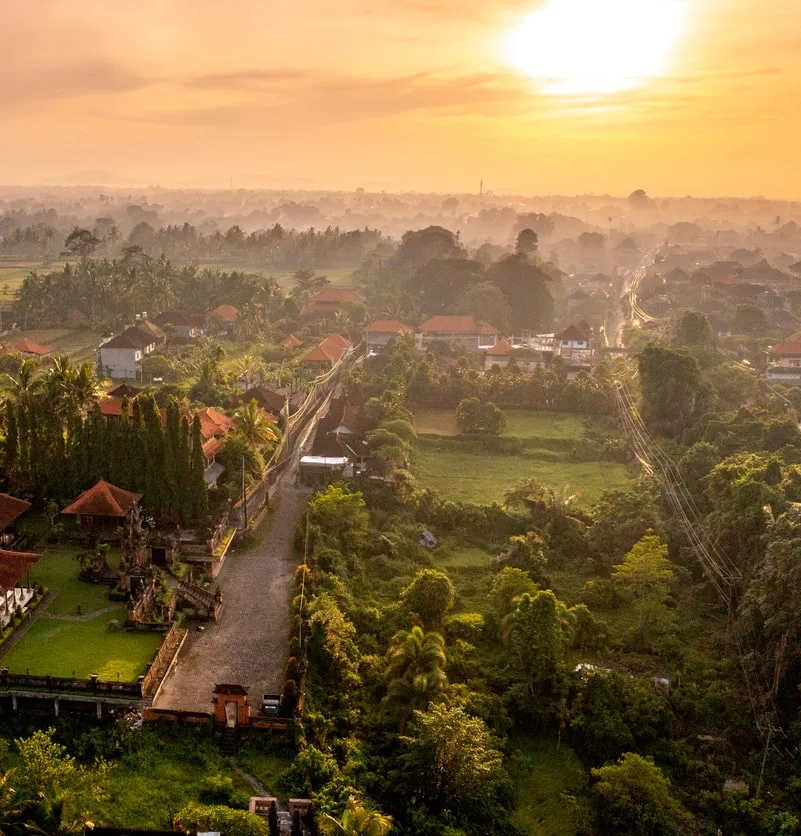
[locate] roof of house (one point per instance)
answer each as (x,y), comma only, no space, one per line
(572,334)
(291,342)
(227,313)
(14,566)
(173,318)
(212,447)
(11,508)
(789,348)
(213,422)
(501,349)
(124,391)
(387,326)
(443,324)
(112,407)
(337,295)
(131,338)
(150,330)
(265,398)
(103,500)
(329,350)
(26,346)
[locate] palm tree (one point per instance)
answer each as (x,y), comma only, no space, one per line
(359,819)
(26,383)
(252,425)
(415,667)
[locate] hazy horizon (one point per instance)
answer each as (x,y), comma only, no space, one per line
(549,97)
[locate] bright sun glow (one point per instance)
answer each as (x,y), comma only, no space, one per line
(575,47)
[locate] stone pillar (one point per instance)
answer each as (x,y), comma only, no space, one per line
(55,705)
(13,702)
(99,710)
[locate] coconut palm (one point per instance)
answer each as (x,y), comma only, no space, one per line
(359,819)
(25,383)
(252,425)
(415,667)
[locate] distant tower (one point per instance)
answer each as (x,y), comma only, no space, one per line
(481,189)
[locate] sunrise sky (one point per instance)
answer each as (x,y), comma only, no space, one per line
(406,94)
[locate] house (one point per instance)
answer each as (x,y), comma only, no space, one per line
(573,338)
(330,301)
(273,401)
(14,566)
(291,342)
(530,354)
(180,324)
(499,355)
(383,332)
(125,391)
(227,314)
(121,356)
(26,346)
(11,509)
(213,469)
(464,331)
(213,423)
(328,353)
(784,362)
(102,508)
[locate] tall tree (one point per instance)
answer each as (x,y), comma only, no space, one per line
(361,818)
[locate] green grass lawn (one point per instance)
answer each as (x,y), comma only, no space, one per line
(466,476)
(519,422)
(80,648)
(58,569)
(338,276)
(267,765)
(551,789)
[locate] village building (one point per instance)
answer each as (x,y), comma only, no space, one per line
(26,346)
(784,362)
(382,333)
(272,401)
(124,390)
(213,469)
(102,508)
(181,325)
(328,353)
(223,317)
(11,509)
(291,342)
(14,567)
(331,301)
(463,331)
(121,357)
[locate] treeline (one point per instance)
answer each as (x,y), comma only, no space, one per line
(53,452)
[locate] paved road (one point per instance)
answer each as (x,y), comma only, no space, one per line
(250,644)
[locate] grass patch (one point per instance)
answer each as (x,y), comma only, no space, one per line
(266,765)
(58,570)
(551,789)
(80,344)
(468,476)
(338,276)
(80,648)
(520,423)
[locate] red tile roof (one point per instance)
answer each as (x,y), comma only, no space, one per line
(456,325)
(387,326)
(112,407)
(214,423)
(14,566)
(501,349)
(336,295)
(788,349)
(103,500)
(212,447)
(328,351)
(11,508)
(27,346)
(291,342)
(227,313)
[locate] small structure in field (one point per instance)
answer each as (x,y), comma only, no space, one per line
(11,509)
(14,566)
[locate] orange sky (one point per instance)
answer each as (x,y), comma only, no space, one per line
(395,94)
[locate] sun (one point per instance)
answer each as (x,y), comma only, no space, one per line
(585,47)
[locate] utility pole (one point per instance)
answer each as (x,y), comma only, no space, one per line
(244,495)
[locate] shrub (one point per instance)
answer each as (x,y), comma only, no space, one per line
(223,819)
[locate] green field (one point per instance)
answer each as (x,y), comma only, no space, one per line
(80,648)
(466,476)
(338,276)
(79,343)
(69,645)
(519,422)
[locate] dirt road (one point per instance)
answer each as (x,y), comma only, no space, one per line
(250,644)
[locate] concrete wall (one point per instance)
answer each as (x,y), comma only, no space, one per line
(120,362)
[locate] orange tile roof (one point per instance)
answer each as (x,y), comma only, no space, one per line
(112,407)
(387,326)
(291,342)
(227,313)
(329,350)
(14,566)
(11,508)
(442,324)
(501,349)
(212,447)
(336,294)
(789,348)
(26,346)
(103,500)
